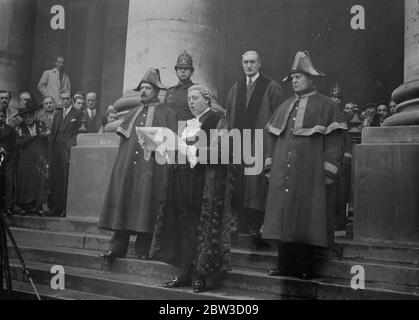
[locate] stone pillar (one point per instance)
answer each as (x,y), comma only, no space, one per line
(387,167)
(159,30)
(91,164)
(17,18)
(407,95)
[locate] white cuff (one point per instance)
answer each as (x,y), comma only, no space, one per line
(330,168)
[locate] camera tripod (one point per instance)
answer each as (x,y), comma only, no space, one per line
(4,261)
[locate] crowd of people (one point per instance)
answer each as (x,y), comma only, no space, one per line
(185,214)
(36,139)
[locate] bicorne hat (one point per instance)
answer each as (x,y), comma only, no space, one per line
(302,64)
(152,76)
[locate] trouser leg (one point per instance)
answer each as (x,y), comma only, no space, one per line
(251,220)
(143,244)
(306,259)
(287,258)
(119,242)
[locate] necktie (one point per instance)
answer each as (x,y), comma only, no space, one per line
(249,85)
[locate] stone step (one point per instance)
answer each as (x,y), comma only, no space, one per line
(24,291)
(383,274)
(126,286)
(350,249)
(41,238)
(238,279)
(344,248)
(387,276)
(389,252)
(56,224)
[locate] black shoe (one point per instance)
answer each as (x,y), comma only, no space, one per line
(257,240)
(110,256)
(305,276)
(199,286)
(143,257)
(275,273)
(176,283)
(40,213)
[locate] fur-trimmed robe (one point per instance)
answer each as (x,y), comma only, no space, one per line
(195,214)
(305,145)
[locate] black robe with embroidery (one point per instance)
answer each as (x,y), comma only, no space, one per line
(136,185)
(195,214)
(250,191)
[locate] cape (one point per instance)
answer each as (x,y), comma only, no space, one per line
(316,114)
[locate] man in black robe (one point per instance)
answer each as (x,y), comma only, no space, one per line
(250,104)
(193,223)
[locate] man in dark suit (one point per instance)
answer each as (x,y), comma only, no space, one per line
(7,146)
(90,114)
(64,130)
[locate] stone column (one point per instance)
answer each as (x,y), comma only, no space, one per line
(407,95)
(17,19)
(387,167)
(159,30)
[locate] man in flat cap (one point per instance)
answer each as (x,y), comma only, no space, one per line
(303,156)
(250,104)
(137,180)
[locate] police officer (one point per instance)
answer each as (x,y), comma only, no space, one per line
(176,96)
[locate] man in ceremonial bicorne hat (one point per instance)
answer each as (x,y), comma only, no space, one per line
(137,180)
(250,104)
(303,156)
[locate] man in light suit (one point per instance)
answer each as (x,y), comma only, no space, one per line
(55,81)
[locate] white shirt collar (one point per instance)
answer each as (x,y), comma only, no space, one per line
(67,110)
(254,78)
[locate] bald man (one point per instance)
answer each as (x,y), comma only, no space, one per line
(250,104)
(91,114)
